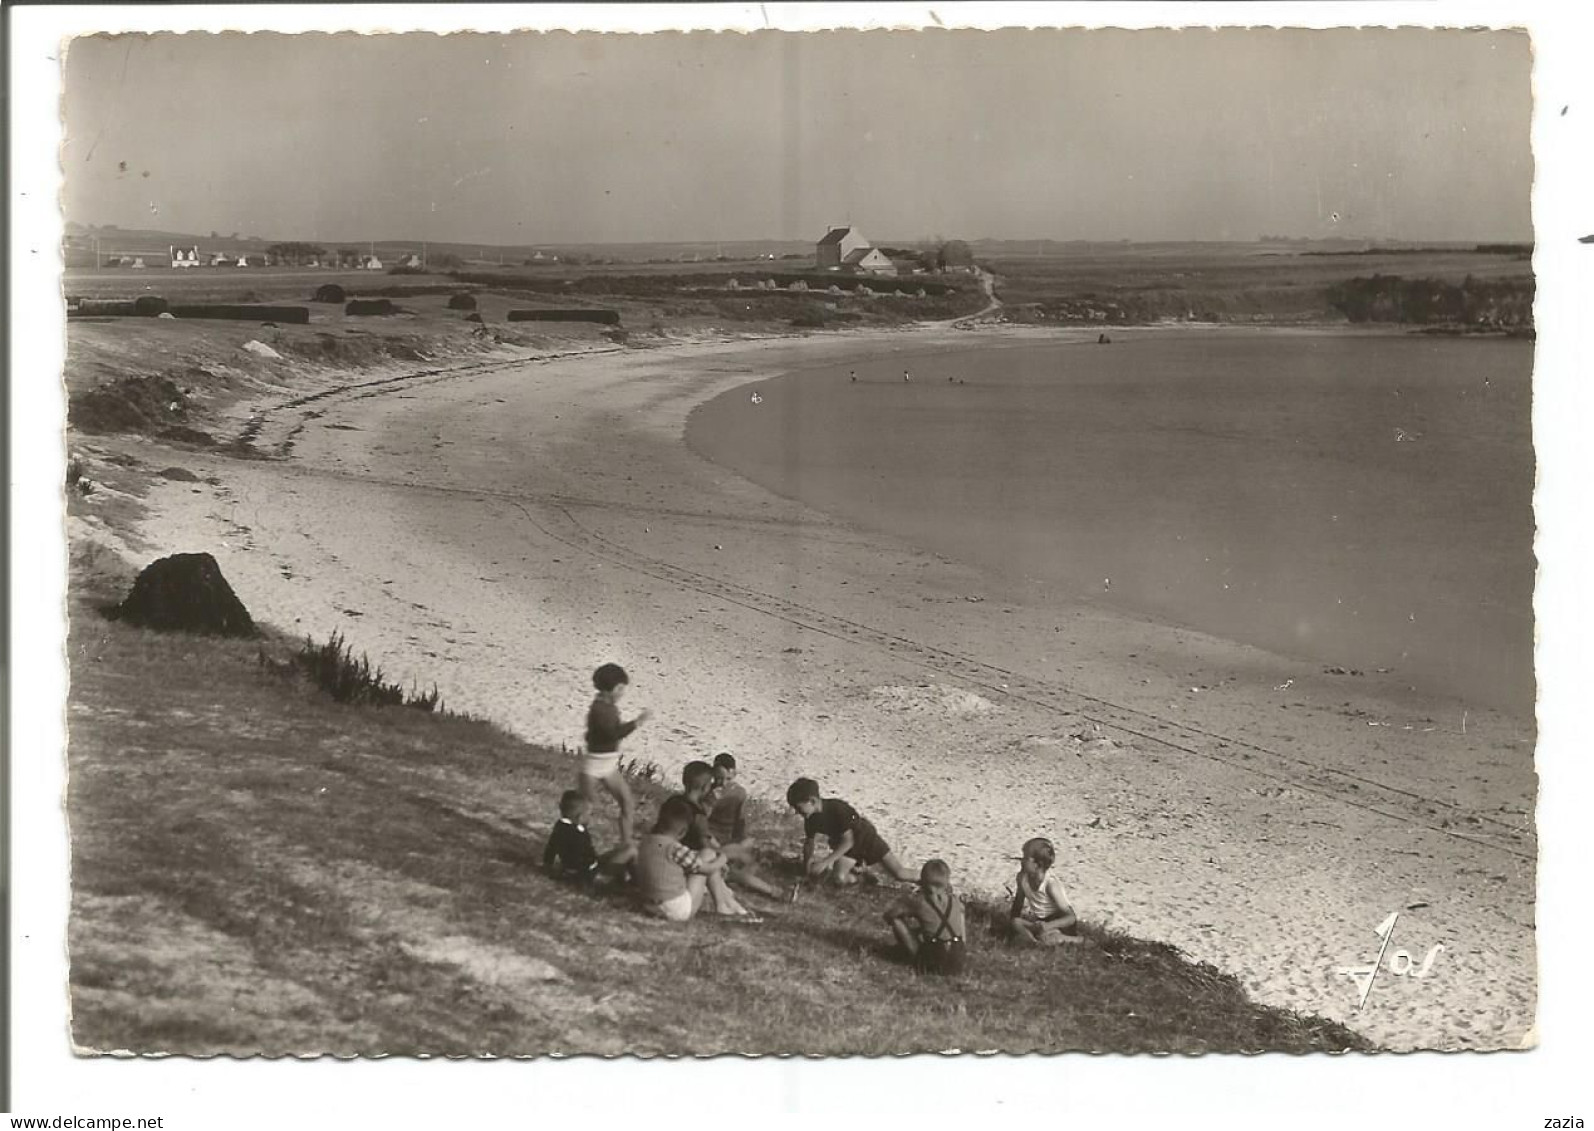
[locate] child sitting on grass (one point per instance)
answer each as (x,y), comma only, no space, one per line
(854,843)
(727,824)
(600,763)
(569,854)
(929,923)
(1041,914)
(672,879)
(697,783)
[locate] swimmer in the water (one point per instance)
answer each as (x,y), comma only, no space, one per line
(905,376)
(853,373)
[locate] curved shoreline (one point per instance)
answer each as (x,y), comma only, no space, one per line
(498,532)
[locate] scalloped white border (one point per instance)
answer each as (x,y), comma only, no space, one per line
(1426,1090)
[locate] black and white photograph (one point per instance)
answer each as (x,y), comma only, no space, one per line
(823,543)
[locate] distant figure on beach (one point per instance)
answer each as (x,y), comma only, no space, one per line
(854,843)
(727,823)
(905,376)
(929,924)
(569,854)
(1041,914)
(600,763)
(1103,340)
(853,373)
(673,880)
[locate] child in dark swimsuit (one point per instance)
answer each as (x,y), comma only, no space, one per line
(929,923)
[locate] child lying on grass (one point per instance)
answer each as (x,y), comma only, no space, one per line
(854,843)
(1041,914)
(929,923)
(673,880)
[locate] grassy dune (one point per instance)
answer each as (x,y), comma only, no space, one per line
(257,868)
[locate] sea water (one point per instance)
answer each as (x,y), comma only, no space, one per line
(1360,499)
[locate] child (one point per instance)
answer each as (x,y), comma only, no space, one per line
(570,855)
(672,879)
(929,923)
(600,764)
(727,824)
(1041,914)
(697,780)
(854,843)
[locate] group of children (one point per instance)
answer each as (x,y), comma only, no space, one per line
(698,849)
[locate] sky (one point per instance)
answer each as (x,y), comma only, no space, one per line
(532,138)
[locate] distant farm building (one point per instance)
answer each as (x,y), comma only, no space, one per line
(847,249)
(371,263)
(832,251)
(870,261)
(411,261)
(185,256)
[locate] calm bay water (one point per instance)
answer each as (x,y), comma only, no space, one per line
(1364,500)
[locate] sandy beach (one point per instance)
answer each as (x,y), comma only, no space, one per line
(503,530)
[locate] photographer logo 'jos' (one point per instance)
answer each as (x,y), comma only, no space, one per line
(1400,962)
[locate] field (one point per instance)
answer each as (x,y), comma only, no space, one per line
(1236,282)
(1061,284)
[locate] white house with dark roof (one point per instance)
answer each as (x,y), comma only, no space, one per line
(832,251)
(847,249)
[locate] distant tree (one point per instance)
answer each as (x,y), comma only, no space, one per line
(954,253)
(348,257)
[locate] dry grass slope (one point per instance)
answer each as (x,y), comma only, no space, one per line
(260,869)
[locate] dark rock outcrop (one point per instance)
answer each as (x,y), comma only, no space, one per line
(185,593)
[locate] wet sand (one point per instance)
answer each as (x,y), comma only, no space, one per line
(504,531)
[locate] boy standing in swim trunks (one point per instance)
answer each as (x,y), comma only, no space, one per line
(854,843)
(600,763)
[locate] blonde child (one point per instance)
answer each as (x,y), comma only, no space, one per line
(1042,914)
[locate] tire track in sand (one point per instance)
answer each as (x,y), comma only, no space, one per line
(1340,786)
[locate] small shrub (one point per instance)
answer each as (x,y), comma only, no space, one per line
(638,770)
(462,301)
(149,306)
(330,292)
(333,668)
(367,306)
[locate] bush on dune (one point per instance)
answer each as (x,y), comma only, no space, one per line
(333,667)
